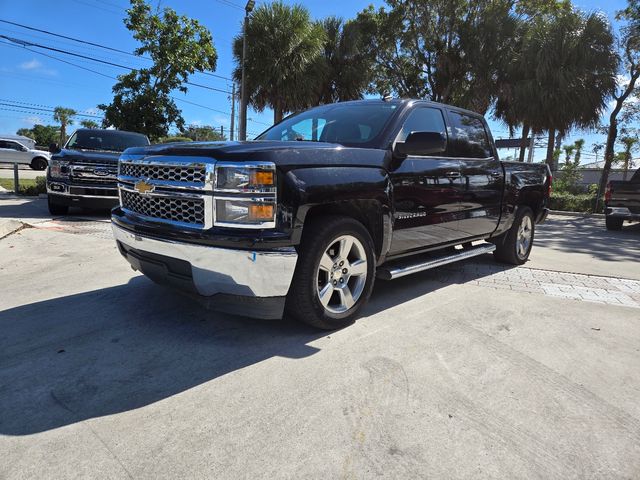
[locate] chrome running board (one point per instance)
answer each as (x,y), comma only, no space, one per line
(391,272)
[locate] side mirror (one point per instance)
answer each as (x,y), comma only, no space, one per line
(422,143)
(54,148)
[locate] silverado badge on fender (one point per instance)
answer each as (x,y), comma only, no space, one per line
(144,187)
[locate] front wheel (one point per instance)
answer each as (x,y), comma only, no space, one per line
(614,223)
(334,275)
(38,163)
(56,209)
(515,246)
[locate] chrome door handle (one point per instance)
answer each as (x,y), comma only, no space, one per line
(452,175)
(496,174)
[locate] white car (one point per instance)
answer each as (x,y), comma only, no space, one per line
(15,152)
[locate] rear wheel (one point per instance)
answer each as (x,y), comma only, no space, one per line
(515,246)
(335,273)
(38,163)
(614,223)
(56,208)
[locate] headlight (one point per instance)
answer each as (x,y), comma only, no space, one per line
(242,211)
(258,177)
(247,213)
(58,169)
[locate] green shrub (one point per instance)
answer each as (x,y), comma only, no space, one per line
(570,202)
(26,186)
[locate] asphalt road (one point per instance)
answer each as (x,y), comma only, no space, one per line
(24,171)
(472,371)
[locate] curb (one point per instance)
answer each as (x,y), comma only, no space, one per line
(575,214)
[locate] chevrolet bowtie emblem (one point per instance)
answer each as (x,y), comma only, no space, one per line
(144,187)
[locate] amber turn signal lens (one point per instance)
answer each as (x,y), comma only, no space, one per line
(260,212)
(261,178)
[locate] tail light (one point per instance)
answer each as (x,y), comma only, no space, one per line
(607,193)
(549,184)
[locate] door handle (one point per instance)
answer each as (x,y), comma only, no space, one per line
(496,174)
(452,175)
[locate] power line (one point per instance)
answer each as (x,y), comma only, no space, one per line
(46,110)
(40,105)
(93,44)
(26,43)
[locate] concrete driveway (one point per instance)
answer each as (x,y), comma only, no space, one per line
(472,371)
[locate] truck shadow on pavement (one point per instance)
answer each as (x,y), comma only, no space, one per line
(103,352)
(35,208)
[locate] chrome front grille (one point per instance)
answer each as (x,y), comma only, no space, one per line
(187,210)
(168,189)
(173,173)
(93,171)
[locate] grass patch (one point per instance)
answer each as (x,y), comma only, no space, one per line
(27,186)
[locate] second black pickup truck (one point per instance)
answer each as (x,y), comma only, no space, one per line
(83,173)
(622,202)
(302,220)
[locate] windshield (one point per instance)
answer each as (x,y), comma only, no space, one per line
(106,140)
(348,124)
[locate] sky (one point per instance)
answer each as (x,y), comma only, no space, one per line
(36,82)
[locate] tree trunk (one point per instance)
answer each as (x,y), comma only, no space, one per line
(551,148)
(524,142)
(612,135)
(63,134)
(277,114)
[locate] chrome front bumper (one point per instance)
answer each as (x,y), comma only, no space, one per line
(221,270)
(621,212)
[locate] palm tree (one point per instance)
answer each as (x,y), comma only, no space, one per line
(64,117)
(578,145)
(568,150)
(89,124)
(282,44)
(345,65)
(562,77)
(629,145)
(596,149)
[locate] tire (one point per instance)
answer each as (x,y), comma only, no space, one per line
(56,208)
(39,163)
(515,246)
(614,223)
(320,273)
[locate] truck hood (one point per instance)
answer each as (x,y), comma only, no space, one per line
(87,156)
(283,154)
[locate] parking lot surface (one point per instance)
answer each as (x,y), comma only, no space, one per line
(474,370)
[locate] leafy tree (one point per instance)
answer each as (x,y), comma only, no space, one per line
(202,133)
(89,124)
(345,63)
(568,151)
(448,51)
(173,139)
(44,135)
(596,149)
(282,46)
(629,44)
(178,46)
(64,116)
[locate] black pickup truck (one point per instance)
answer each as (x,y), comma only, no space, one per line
(301,220)
(622,202)
(83,173)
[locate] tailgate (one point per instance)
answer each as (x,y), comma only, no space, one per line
(625,194)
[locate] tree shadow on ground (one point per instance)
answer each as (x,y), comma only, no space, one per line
(36,208)
(588,235)
(103,352)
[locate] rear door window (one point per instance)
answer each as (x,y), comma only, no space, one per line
(468,137)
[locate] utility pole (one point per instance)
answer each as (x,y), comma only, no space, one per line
(242,127)
(531,147)
(222,131)
(233,111)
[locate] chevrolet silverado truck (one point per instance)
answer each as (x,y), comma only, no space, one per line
(83,173)
(622,202)
(302,220)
